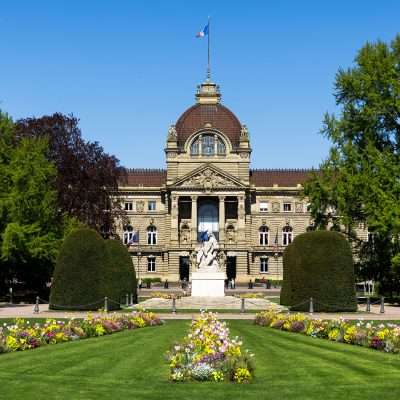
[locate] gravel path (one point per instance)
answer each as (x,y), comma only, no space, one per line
(26,311)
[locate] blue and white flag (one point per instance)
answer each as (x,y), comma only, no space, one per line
(134,238)
(202,33)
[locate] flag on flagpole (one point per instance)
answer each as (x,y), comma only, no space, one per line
(202,33)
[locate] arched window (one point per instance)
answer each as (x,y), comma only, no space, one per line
(152,235)
(263,235)
(208,144)
(128,234)
(287,235)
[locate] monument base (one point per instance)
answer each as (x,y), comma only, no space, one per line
(208,284)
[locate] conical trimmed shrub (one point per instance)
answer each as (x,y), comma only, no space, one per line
(319,264)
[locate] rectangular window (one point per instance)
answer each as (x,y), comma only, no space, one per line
(151,205)
(151,264)
(128,206)
(287,207)
(263,206)
(263,265)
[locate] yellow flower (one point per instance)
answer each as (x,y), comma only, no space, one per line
(218,376)
(242,375)
(333,334)
(383,334)
(350,334)
(12,343)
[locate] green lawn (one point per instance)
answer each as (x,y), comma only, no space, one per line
(130,365)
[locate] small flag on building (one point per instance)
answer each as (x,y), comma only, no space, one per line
(134,239)
(202,33)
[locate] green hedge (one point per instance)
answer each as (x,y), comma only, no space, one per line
(88,269)
(319,264)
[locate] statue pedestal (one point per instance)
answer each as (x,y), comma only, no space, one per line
(208,284)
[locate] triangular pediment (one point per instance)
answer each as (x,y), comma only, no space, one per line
(208,177)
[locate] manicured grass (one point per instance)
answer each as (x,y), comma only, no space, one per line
(130,365)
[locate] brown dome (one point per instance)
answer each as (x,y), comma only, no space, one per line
(202,116)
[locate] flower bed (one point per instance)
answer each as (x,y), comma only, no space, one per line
(167,296)
(22,335)
(251,296)
(207,353)
(379,336)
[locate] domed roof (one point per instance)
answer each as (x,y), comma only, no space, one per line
(208,113)
(214,116)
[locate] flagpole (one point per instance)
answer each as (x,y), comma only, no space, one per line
(208,64)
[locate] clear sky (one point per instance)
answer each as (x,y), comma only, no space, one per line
(128,69)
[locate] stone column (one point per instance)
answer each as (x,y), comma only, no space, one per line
(194,220)
(174,219)
(241,219)
(221,219)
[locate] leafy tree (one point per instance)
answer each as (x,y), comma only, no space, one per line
(6,148)
(86,175)
(359,183)
(30,224)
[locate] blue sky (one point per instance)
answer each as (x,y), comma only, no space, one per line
(128,69)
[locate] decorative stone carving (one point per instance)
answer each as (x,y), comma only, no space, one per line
(140,206)
(172,135)
(222,260)
(208,179)
(244,133)
(230,233)
(299,207)
(185,233)
(193,260)
(276,207)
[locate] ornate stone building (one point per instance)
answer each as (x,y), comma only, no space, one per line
(208,185)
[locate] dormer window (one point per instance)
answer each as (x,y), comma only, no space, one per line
(208,144)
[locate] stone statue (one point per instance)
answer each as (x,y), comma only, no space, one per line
(193,260)
(172,135)
(222,260)
(207,255)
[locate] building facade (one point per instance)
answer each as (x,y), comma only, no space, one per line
(208,185)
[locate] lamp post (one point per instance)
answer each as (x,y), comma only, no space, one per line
(139,254)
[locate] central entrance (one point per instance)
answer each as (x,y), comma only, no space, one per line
(184,268)
(231,268)
(207,217)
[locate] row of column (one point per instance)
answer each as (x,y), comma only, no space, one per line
(221,222)
(175,218)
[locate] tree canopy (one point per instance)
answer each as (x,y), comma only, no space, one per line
(30,227)
(359,183)
(86,175)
